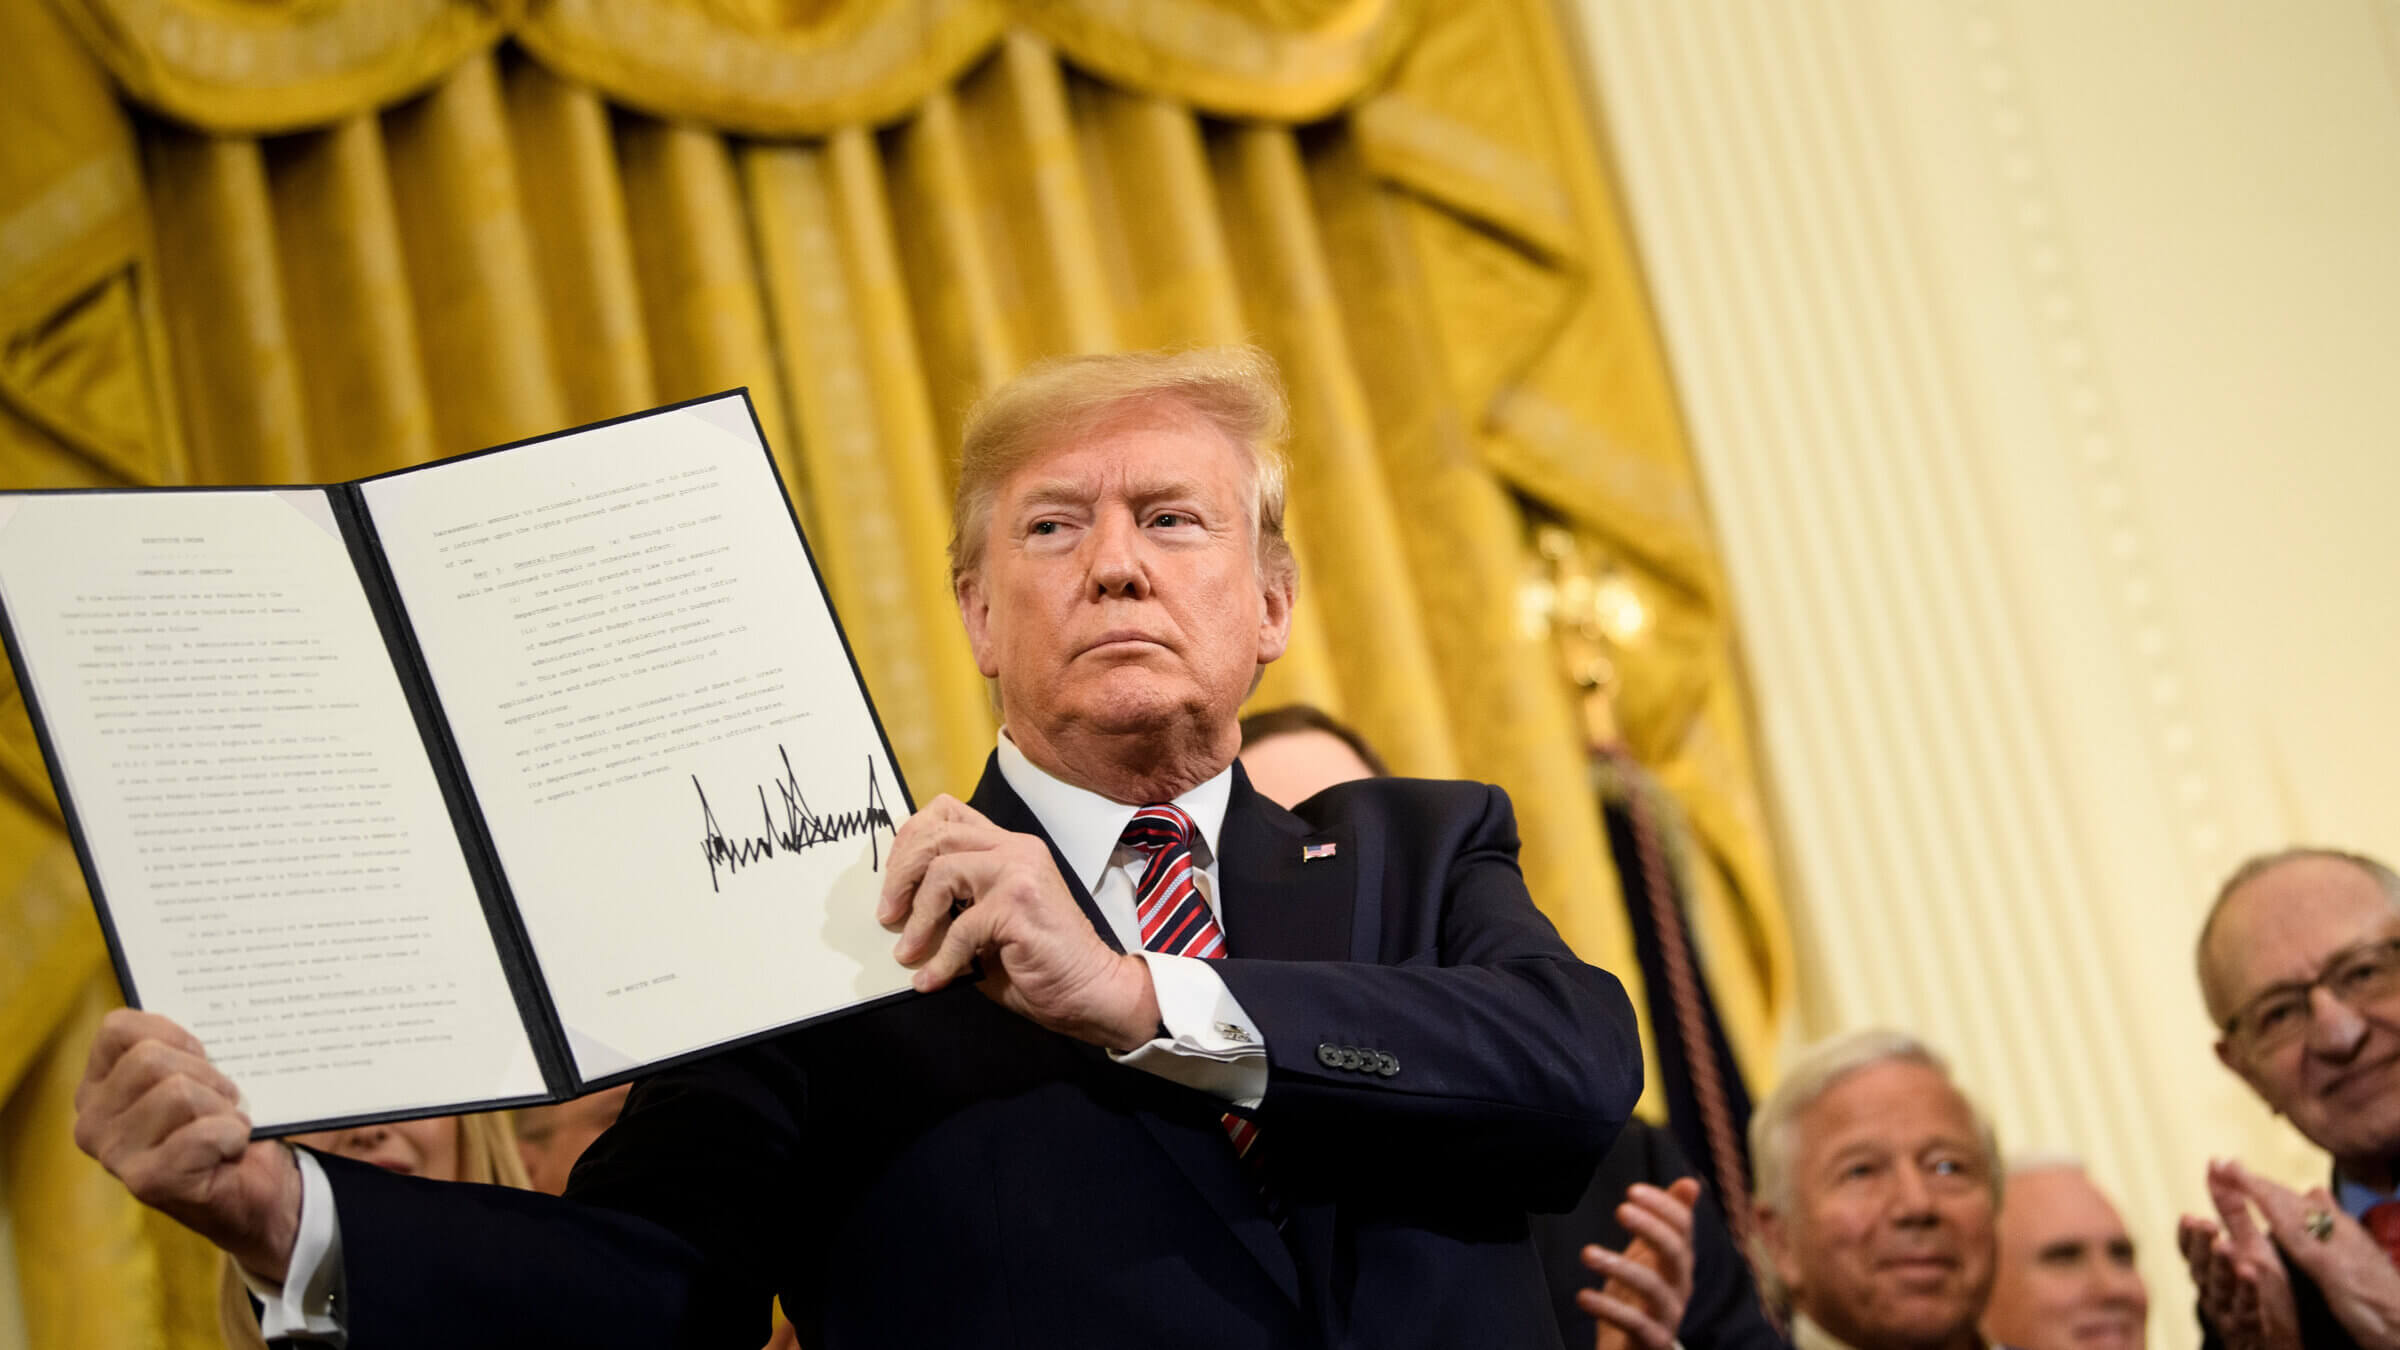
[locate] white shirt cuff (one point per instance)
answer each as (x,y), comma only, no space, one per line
(1211,1044)
(307,1305)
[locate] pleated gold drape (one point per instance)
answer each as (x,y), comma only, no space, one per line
(312,239)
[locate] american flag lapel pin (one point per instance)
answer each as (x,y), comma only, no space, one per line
(1312,852)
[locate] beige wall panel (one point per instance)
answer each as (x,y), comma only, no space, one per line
(2038,358)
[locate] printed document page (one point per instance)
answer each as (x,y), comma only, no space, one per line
(675,760)
(271,843)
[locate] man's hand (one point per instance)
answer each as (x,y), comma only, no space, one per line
(959,887)
(2357,1277)
(2244,1292)
(1650,1282)
(159,1116)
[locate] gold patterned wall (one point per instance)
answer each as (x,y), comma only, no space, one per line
(305,240)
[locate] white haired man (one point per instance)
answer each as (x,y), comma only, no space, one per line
(1878,1182)
(2067,1279)
(1231,1077)
(2299,964)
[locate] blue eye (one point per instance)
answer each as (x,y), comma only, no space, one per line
(1169,518)
(1045,527)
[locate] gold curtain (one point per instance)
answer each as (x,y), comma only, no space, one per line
(305,240)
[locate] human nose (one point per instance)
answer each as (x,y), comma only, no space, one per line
(1117,568)
(1912,1198)
(2122,1286)
(2334,1027)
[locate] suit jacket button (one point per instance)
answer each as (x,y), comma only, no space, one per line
(1386,1063)
(1352,1057)
(1329,1056)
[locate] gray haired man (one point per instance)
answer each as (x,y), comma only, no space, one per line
(1878,1186)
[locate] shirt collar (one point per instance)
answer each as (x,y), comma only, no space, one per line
(2356,1197)
(1086,826)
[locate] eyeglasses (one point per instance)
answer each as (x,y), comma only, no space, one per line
(2355,976)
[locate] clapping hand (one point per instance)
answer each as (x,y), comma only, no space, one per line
(1650,1282)
(2360,1284)
(2245,1293)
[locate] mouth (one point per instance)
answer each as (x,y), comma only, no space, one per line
(1121,641)
(2349,1080)
(1918,1267)
(2111,1330)
(392,1165)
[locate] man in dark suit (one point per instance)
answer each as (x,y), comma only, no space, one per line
(1229,1077)
(2299,964)
(1672,1273)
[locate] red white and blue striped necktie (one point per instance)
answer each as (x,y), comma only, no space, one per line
(1176,920)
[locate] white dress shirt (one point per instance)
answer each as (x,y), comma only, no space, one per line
(1210,1043)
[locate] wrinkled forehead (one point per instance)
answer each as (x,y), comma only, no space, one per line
(1895,1106)
(1145,449)
(2050,1203)
(2285,923)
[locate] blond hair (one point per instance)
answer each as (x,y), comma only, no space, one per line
(487,1153)
(1232,389)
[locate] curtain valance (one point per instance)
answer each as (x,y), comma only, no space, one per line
(766,68)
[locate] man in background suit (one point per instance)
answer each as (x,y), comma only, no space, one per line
(1673,1274)
(2299,963)
(1231,1076)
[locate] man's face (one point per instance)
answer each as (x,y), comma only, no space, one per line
(1888,1244)
(1119,592)
(2067,1279)
(2338,1079)
(1298,765)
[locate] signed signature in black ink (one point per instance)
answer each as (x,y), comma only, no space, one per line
(800,829)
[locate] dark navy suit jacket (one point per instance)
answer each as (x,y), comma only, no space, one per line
(941,1172)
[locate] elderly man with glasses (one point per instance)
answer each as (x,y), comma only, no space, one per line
(2300,967)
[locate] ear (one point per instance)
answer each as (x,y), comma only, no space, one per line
(1275,614)
(975,613)
(1774,1240)
(2227,1057)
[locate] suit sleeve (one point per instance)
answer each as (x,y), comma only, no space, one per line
(667,1239)
(1477,1039)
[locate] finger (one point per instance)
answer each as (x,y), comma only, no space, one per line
(952,878)
(143,1066)
(944,826)
(179,1175)
(1633,1321)
(914,845)
(169,1105)
(120,1031)
(967,935)
(1669,1219)
(2192,1244)
(2233,1206)
(1628,1274)
(1671,1205)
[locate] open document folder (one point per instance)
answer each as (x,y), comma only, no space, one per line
(485,782)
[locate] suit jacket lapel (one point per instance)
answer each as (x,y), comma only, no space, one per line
(1280,903)
(1003,807)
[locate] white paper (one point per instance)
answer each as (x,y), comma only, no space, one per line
(274,850)
(676,763)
